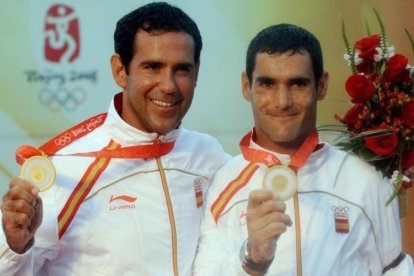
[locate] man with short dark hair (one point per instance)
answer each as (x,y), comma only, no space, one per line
(291,204)
(129,187)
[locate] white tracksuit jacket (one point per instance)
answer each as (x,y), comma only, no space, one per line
(336,190)
(141,216)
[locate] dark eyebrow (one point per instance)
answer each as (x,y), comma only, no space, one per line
(301,80)
(264,79)
(185,65)
(150,62)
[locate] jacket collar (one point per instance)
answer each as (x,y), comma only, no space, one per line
(126,134)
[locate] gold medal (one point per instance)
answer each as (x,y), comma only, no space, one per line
(281,180)
(39,171)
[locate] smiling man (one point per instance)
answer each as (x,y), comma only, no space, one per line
(128,193)
(291,204)
(159,82)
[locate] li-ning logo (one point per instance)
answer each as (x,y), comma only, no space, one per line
(61,36)
(341,217)
(121,202)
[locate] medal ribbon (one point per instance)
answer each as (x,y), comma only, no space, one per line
(297,160)
(50,148)
(155,150)
(258,156)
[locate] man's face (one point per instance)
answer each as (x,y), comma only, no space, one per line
(159,87)
(283,95)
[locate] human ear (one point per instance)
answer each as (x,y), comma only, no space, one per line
(246,87)
(323,86)
(196,68)
(118,71)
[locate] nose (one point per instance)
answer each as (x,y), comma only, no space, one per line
(283,98)
(167,82)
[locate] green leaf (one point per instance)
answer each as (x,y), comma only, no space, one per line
(350,52)
(397,188)
(410,38)
(349,146)
(369,156)
(367,26)
(371,133)
(391,198)
(333,128)
(383,34)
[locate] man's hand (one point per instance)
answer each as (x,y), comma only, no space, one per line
(266,221)
(22,214)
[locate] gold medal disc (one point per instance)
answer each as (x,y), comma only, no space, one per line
(39,171)
(281,180)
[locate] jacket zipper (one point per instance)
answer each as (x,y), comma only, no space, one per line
(170,212)
(298,235)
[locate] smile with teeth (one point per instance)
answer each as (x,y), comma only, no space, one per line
(162,103)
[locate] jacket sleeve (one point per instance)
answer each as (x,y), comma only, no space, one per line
(12,263)
(386,223)
(405,267)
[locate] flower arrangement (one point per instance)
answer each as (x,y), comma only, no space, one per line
(379,126)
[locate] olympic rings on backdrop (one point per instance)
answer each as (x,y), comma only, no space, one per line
(46,98)
(62,98)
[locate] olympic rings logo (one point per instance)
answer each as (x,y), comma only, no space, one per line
(63,139)
(339,211)
(62,98)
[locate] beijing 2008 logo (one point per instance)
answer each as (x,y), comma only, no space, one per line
(63,82)
(61,35)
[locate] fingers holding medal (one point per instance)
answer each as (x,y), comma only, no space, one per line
(281,180)
(39,171)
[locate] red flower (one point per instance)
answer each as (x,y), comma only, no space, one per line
(365,67)
(366,47)
(407,116)
(351,116)
(359,88)
(396,68)
(383,145)
(381,89)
